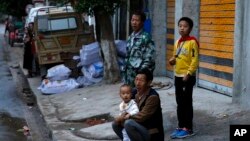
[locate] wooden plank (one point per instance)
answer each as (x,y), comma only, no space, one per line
(171,15)
(218,41)
(170,20)
(170,36)
(216,47)
(217,27)
(219,7)
(169,53)
(216,53)
(170,30)
(216,80)
(170,50)
(170,25)
(206,2)
(217,34)
(169,46)
(216,67)
(170,4)
(217,14)
(170,10)
(215,21)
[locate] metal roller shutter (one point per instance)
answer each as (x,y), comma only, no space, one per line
(170,34)
(216,45)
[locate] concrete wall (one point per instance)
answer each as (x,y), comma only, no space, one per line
(158,11)
(241,88)
(187,8)
(158,17)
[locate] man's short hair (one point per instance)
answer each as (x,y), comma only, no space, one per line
(141,14)
(147,73)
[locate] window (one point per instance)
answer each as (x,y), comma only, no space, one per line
(45,24)
(62,24)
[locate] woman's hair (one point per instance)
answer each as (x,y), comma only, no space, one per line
(188,20)
(141,14)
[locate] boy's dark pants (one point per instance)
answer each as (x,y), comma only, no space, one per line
(184,100)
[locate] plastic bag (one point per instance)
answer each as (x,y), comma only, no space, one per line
(121,63)
(89,54)
(84,81)
(96,69)
(121,47)
(55,87)
(89,77)
(58,72)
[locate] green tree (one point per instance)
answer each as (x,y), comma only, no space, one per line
(102,11)
(14,7)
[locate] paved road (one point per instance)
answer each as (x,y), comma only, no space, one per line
(11,107)
(17,105)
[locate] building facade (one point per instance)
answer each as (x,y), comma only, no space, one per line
(221,26)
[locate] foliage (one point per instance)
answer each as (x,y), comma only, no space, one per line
(14,7)
(88,6)
(3,6)
(62,2)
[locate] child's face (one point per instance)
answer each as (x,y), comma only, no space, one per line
(184,28)
(125,94)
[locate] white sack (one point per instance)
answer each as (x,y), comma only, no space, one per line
(55,87)
(87,74)
(58,72)
(89,54)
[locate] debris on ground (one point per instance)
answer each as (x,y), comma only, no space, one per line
(94,121)
(161,85)
(72,129)
(25,130)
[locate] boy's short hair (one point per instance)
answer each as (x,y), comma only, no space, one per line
(148,73)
(141,14)
(188,20)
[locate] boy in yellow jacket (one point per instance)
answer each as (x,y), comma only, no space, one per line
(185,62)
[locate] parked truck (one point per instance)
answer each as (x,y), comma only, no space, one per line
(59,34)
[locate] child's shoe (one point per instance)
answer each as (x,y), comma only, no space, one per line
(183,133)
(176,131)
